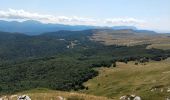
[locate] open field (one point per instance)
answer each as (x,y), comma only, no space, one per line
(165,46)
(150,81)
(130,38)
(45,94)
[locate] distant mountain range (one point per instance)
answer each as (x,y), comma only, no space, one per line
(32,27)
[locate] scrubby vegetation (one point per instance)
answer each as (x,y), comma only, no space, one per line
(51,61)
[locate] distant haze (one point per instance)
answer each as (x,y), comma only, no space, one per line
(145,14)
(32,27)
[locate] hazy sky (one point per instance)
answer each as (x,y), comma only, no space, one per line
(146,14)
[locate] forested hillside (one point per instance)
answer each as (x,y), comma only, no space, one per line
(60,60)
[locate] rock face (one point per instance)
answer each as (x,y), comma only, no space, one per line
(130,97)
(24,97)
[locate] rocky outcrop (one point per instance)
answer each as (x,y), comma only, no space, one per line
(24,97)
(130,97)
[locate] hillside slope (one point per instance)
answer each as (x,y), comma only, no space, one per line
(149,80)
(45,94)
(129,37)
(60,60)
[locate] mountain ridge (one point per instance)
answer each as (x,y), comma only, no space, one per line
(32,27)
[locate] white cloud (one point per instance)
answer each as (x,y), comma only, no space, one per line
(13,14)
(124,21)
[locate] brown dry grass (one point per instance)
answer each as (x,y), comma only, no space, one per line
(132,79)
(165,46)
(44,94)
(128,39)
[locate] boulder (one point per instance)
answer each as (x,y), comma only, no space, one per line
(137,98)
(168,90)
(60,98)
(24,97)
(130,97)
(167,98)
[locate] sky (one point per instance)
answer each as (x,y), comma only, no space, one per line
(144,14)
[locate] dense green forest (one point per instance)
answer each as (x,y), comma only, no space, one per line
(60,60)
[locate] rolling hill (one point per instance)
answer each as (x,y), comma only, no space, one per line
(128,37)
(62,60)
(149,80)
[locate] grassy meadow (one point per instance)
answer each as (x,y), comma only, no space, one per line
(45,94)
(165,46)
(150,81)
